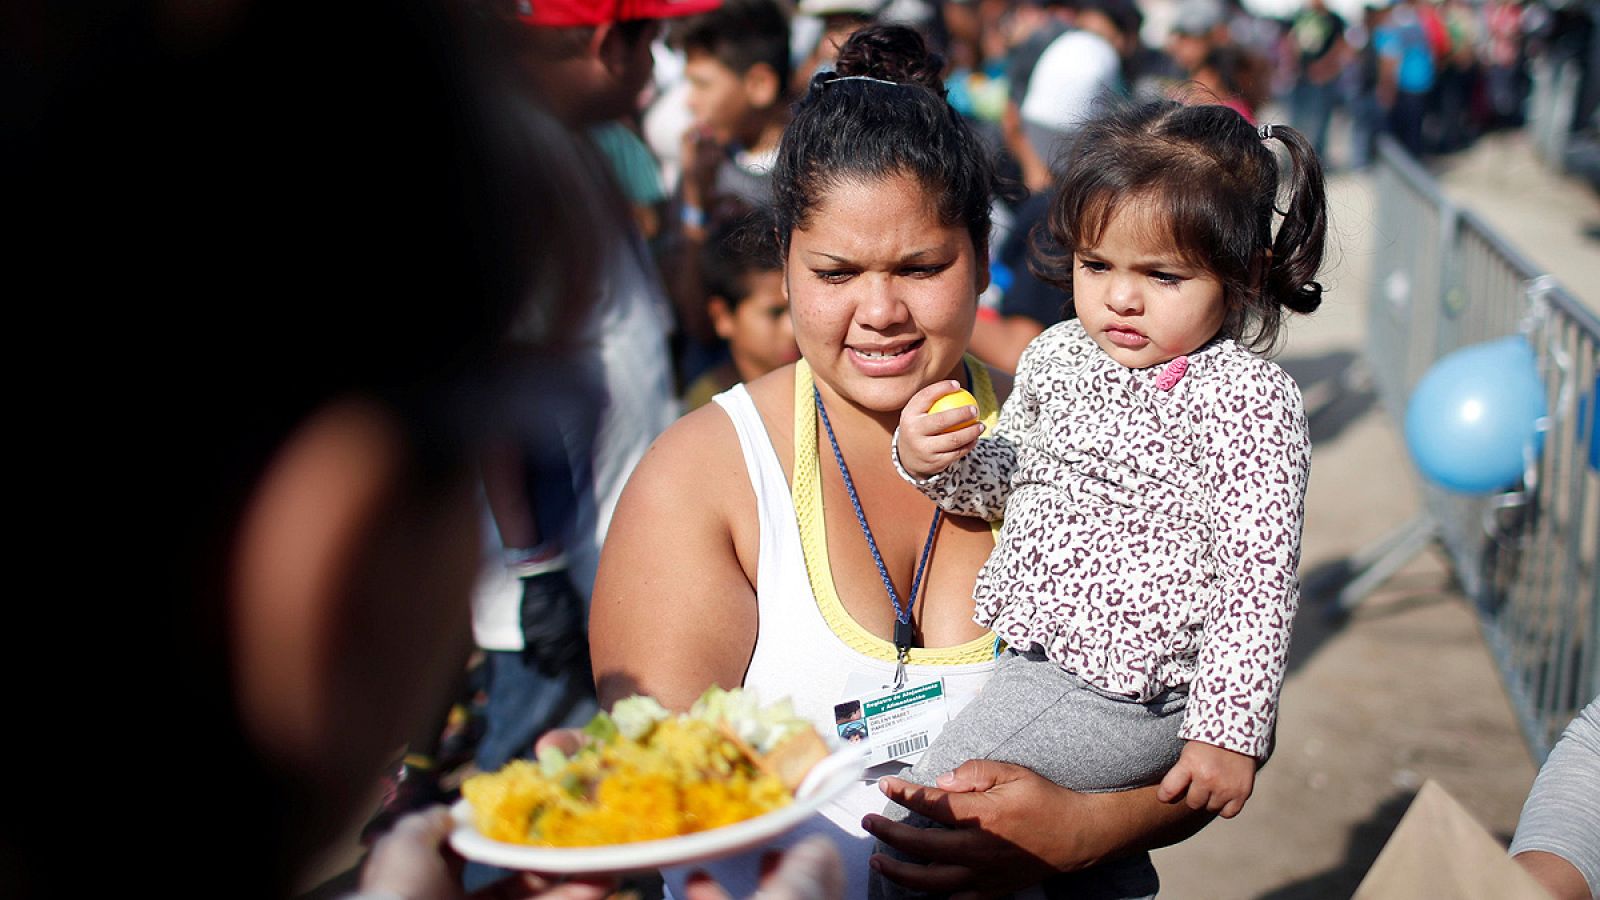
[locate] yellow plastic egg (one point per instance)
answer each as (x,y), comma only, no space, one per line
(954,400)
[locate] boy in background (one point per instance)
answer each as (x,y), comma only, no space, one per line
(737,68)
(746,304)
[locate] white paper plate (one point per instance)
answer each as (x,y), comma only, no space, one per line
(826,780)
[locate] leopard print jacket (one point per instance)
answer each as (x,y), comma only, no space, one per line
(1151,526)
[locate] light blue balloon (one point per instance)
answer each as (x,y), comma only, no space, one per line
(1474,413)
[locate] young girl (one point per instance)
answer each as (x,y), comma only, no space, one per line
(1149,466)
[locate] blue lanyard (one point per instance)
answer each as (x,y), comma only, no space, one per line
(902,614)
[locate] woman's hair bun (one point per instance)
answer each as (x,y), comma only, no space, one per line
(891,53)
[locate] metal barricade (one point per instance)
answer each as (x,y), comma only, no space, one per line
(1528,557)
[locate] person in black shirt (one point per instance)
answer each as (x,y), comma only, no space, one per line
(1320,54)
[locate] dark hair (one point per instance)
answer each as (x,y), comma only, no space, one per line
(1217,184)
(1230,65)
(736,248)
(847,127)
(1244,74)
(1124,15)
(741,34)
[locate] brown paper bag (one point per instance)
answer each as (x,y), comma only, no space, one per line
(1440,851)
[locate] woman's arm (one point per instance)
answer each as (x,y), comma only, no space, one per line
(673,610)
(1561,878)
(1558,835)
(996,845)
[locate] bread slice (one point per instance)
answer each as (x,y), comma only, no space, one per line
(793,759)
(790,761)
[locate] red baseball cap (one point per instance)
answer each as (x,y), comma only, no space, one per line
(571,13)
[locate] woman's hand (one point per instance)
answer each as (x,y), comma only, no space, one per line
(925,444)
(995,845)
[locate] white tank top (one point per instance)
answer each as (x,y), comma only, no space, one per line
(799,655)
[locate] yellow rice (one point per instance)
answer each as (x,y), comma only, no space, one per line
(684,777)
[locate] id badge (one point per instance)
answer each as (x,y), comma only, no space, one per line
(892,724)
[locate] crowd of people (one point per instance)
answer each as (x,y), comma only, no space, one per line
(686,277)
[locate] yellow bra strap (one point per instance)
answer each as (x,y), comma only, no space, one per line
(806,490)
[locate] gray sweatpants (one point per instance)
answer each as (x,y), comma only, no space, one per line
(1036,715)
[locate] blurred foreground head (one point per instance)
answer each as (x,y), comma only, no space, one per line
(272,250)
(587,61)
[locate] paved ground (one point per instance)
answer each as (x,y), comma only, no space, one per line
(1544,216)
(1403,690)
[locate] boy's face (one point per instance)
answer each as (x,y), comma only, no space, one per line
(607,81)
(720,99)
(759,333)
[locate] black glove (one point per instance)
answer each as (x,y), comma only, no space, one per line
(553,635)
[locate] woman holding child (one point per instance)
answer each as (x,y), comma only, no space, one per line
(1147,481)
(882,198)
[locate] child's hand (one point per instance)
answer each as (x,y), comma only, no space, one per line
(1210,778)
(925,448)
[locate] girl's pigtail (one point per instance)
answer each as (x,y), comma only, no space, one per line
(1297,250)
